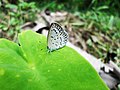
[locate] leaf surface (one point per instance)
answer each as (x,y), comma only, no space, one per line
(31,67)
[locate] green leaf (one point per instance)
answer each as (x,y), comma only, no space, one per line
(111,22)
(13,21)
(31,67)
(11,6)
(6,44)
(102,8)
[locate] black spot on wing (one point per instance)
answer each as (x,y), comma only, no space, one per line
(52,37)
(60,39)
(60,43)
(56,44)
(55,31)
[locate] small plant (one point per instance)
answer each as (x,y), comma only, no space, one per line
(28,66)
(14,15)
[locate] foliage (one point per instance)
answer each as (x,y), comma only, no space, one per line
(104,14)
(79,5)
(30,66)
(14,15)
(101,17)
(102,25)
(101,32)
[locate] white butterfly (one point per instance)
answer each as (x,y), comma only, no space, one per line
(57,37)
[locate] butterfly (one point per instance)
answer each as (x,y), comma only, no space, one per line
(57,37)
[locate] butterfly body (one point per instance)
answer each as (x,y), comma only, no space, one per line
(57,37)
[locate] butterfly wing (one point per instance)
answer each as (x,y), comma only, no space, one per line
(57,37)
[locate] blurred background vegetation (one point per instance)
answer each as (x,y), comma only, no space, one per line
(101,18)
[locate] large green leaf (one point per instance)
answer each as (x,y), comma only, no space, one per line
(31,67)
